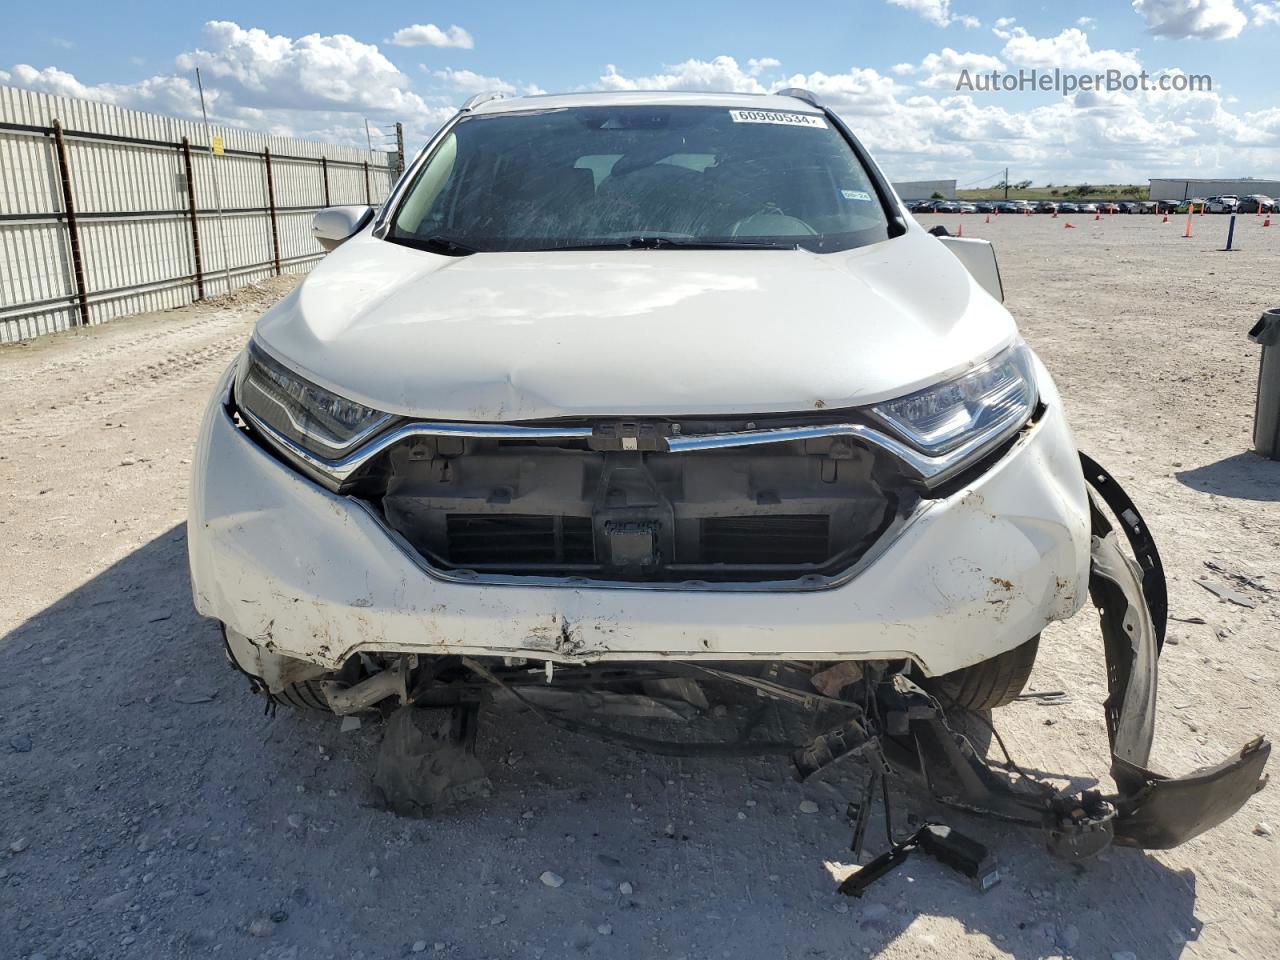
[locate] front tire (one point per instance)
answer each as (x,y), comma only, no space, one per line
(991,683)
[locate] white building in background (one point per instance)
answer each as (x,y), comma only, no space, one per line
(924,189)
(1170,189)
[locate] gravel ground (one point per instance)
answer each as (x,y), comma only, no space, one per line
(150,809)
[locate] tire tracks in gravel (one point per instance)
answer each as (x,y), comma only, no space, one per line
(125,387)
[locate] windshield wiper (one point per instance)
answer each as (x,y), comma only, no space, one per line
(450,248)
(672,243)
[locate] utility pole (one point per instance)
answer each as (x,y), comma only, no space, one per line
(217,193)
(399,148)
(368,139)
(1006,183)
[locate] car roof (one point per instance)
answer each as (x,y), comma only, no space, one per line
(664,98)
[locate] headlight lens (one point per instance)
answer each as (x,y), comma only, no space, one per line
(320,422)
(987,403)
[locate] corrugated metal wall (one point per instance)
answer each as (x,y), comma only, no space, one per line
(127,175)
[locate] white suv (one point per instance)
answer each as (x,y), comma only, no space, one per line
(639,392)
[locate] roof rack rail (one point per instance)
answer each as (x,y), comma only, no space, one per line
(480,98)
(800,93)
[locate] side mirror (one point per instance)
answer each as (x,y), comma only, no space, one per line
(332,225)
(979,258)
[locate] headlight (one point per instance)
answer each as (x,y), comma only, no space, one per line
(320,422)
(974,410)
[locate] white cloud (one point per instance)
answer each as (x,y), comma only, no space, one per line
(755,66)
(1266,14)
(720,74)
(429,35)
(468,81)
(943,69)
(1003,28)
(314,72)
(161,94)
(1202,19)
(319,86)
(1085,21)
(937,12)
(1069,50)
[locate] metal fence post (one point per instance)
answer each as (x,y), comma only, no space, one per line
(73,228)
(271,206)
(191,208)
(324,172)
(368,197)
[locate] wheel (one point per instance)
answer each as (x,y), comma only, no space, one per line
(991,683)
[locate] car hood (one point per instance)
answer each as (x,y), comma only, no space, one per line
(522,336)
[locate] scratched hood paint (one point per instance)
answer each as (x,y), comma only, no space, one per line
(521,336)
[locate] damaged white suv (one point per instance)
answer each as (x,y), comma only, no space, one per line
(634,394)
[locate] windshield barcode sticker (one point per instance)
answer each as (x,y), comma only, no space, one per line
(773,116)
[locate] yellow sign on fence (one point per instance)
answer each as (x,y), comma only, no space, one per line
(215,144)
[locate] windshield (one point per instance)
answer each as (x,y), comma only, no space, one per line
(622,176)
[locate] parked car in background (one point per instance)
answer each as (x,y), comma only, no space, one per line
(1008,206)
(1165,206)
(985,206)
(1087,207)
(1256,203)
(1223,204)
(1066,206)
(966,207)
(946,206)
(1108,207)
(1045,206)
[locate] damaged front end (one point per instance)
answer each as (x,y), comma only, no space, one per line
(883,710)
(1148,810)
(878,712)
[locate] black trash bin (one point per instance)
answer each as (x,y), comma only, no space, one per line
(1266,417)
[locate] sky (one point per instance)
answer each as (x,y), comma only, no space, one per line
(319,69)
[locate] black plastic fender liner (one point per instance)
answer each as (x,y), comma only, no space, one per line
(1129,639)
(1152,810)
(1155,590)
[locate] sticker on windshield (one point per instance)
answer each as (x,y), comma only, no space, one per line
(856,195)
(773,116)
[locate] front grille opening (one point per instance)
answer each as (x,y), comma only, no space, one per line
(768,540)
(489,539)
(794,512)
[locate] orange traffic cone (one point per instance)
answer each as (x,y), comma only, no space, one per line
(1187,233)
(1097,216)
(1166,218)
(1267,222)
(1069,225)
(988,218)
(960,230)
